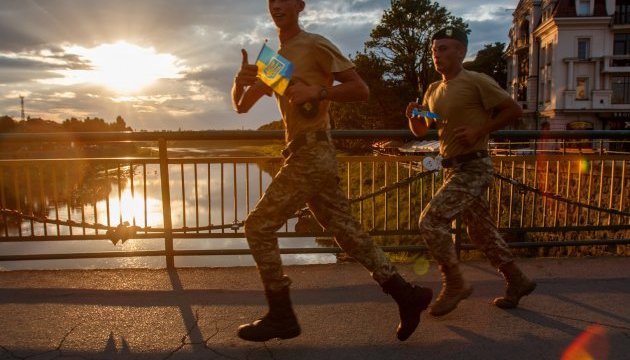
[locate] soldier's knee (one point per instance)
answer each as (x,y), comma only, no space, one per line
(261,226)
(424,224)
(252,226)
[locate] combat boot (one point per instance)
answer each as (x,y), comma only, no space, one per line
(518,285)
(279,322)
(411,300)
(454,290)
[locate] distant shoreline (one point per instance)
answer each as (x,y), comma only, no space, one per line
(241,148)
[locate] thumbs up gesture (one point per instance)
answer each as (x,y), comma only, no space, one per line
(246,76)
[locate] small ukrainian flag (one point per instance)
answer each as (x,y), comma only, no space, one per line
(273,69)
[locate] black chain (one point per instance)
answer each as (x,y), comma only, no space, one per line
(523,188)
(306,212)
(394,185)
(124,231)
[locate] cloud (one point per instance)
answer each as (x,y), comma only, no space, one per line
(39,42)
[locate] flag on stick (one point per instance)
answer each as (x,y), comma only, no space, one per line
(427,114)
(273,69)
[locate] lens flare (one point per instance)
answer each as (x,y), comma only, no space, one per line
(584,165)
(421,266)
(592,344)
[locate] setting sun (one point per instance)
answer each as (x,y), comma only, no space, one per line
(121,67)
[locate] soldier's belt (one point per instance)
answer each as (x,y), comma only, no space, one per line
(460,159)
(304,139)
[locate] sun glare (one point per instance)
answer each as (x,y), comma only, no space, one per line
(122,67)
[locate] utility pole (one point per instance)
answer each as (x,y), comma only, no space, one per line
(22,106)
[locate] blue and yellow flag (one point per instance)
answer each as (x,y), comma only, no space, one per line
(427,114)
(273,69)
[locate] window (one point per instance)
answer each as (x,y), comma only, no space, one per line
(622,12)
(548,91)
(549,54)
(622,44)
(584,46)
(581,88)
(584,8)
(621,50)
(621,90)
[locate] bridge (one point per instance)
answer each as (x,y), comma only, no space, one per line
(170,217)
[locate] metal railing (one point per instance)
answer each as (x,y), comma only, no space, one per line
(168,202)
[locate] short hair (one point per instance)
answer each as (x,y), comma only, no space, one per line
(451,33)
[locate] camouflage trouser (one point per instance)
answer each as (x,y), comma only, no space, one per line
(463,193)
(309,176)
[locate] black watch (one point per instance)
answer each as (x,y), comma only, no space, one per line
(323,93)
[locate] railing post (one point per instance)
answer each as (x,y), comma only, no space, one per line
(166,204)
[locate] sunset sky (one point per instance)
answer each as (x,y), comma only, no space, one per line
(168,65)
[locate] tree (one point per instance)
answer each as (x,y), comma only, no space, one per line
(274,125)
(402,39)
(120,125)
(489,60)
(7,124)
(94,124)
(385,106)
(383,110)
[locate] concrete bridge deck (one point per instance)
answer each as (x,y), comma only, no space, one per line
(193,314)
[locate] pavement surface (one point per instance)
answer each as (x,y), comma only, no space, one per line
(193,314)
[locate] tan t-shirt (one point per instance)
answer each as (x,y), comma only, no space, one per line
(467,99)
(315,59)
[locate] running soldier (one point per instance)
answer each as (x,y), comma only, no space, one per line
(470,106)
(309,175)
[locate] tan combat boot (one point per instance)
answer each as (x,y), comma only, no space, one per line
(518,285)
(454,290)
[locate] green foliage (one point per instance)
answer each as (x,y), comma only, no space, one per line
(383,110)
(274,125)
(94,124)
(39,125)
(7,124)
(489,60)
(403,40)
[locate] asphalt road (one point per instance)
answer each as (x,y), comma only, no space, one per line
(193,314)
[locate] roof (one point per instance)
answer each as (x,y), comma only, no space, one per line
(566,8)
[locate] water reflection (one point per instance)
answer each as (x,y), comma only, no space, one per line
(111,194)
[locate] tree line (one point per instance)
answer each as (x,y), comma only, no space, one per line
(39,125)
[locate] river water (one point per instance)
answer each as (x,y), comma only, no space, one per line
(208,197)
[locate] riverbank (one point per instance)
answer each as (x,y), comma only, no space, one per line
(220,148)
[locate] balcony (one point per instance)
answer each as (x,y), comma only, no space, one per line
(616,64)
(521,44)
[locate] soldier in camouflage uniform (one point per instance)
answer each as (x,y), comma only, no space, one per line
(309,175)
(470,106)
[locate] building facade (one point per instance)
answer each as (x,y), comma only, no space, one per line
(569,63)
